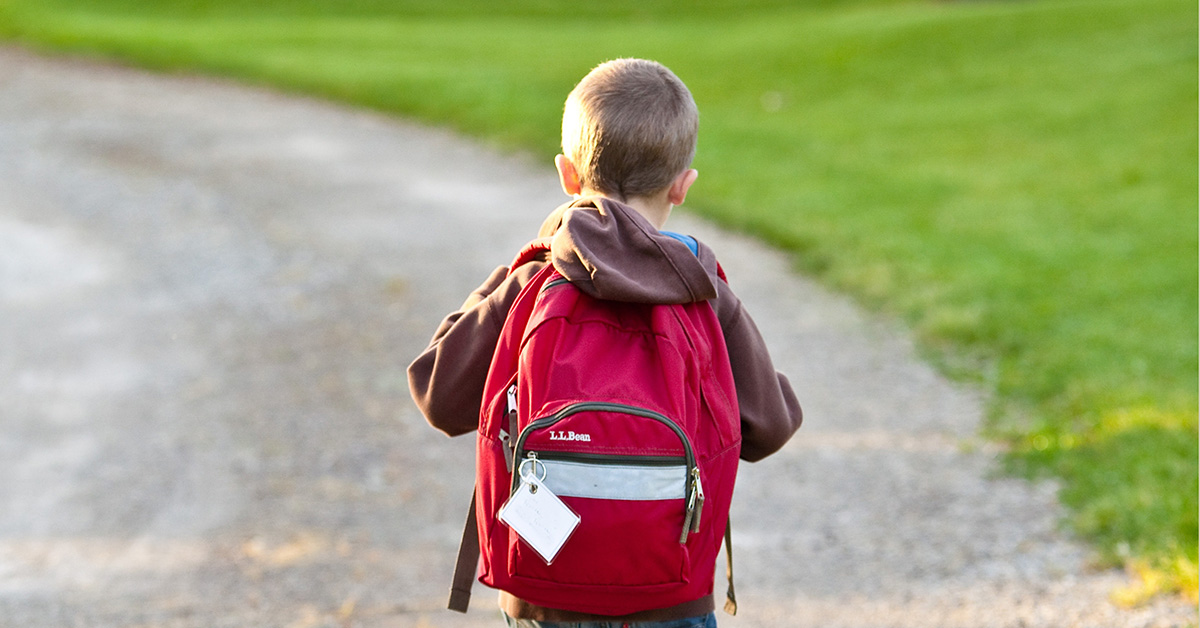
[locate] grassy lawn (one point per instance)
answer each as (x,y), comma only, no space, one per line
(1017,180)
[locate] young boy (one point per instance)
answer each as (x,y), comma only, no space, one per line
(628,138)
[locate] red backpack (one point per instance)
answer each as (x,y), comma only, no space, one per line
(628,414)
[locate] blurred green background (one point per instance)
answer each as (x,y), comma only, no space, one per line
(1015,180)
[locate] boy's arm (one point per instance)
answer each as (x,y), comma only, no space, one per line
(446,380)
(769,409)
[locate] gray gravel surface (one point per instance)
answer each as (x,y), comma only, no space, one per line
(209,293)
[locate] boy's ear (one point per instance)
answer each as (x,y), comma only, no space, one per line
(568,176)
(679,187)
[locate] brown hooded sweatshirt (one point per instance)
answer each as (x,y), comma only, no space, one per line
(609,251)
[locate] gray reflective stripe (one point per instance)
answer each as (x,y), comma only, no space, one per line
(615,481)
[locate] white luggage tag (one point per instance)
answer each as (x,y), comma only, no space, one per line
(537,515)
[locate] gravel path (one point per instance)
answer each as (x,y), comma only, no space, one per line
(209,293)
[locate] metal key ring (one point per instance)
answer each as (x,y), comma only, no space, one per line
(532,471)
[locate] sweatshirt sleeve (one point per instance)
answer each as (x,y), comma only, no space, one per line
(770,411)
(446,380)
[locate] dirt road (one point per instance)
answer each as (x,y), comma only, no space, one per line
(209,294)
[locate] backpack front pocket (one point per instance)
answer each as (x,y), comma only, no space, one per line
(633,507)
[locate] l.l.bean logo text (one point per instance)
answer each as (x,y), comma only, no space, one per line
(569,435)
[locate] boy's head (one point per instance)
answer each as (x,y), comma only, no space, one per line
(629,128)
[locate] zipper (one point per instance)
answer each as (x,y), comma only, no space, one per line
(694,493)
(640,461)
(554,282)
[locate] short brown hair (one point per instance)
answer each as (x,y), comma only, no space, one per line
(629,128)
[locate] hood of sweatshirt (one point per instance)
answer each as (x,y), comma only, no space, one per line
(612,252)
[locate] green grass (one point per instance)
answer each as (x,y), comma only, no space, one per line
(1017,180)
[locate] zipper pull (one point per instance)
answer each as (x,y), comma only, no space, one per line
(512,400)
(698,496)
(532,459)
(687,524)
(506,442)
(695,501)
(695,505)
(508,438)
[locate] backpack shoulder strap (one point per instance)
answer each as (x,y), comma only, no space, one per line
(530,252)
(730,598)
(467,565)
